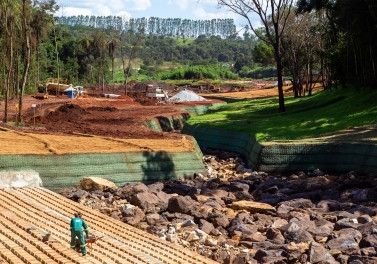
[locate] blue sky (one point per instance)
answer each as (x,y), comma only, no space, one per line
(190,9)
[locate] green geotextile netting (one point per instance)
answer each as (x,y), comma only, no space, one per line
(200,109)
(226,140)
(334,156)
(167,123)
(60,171)
(175,122)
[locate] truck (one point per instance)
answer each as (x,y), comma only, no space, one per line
(52,86)
(155,92)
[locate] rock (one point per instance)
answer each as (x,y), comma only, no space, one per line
(362,260)
(242,228)
(129,190)
(148,201)
(206,226)
(128,210)
(242,258)
(364,195)
(172,238)
(318,253)
(192,237)
(345,223)
(76,195)
(363,219)
(181,204)
(328,205)
(238,186)
(188,222)
(96,183)
(347,241)
(368,240)
(155,187)
(153,219)
(136,218)
(368,251)
(253,207)
(275,236)
(220,220)
(255,237)
(178,188)
(279,223)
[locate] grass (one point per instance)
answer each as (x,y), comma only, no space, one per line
(324,112)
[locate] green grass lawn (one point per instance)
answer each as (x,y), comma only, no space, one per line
(305,117)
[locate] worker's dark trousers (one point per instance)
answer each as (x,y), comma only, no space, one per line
(80,236)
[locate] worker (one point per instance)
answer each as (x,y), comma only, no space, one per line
(78,225)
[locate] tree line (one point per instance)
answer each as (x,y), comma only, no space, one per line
(168,27)
(333,39)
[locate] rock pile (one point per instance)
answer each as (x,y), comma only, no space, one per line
(235,215)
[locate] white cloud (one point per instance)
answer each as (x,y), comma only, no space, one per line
(140,5)
(200,13)
(182,4)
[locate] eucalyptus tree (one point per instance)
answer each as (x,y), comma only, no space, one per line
(273,15)
(100,41)
(9,21)
(41,24)
(113,45)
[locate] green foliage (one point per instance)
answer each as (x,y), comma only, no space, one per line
(198,72)
(306,117)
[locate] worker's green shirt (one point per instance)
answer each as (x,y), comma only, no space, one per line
(78,224)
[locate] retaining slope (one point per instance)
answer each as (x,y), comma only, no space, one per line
(121,161)
(27,214)
(331,155)
(60,171)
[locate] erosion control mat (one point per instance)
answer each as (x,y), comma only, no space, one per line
(62,161)
(347,151)
(29,215)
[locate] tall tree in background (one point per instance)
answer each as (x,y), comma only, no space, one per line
(41,24)
(26,48)
(8,19)
(273,15)
(100,44)
(113,44)
(133,50)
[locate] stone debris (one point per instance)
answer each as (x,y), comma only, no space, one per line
(186,96)
(235,215)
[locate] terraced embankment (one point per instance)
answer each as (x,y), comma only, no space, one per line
(27,214)
(62,161)
(348,150)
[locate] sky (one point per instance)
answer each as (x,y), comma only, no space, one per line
(185,9)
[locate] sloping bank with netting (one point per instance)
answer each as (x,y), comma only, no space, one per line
(291,156)
(60,171)
(62,161)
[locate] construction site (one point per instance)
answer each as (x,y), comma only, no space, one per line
(136,138)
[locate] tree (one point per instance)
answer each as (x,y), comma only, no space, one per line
(273,14)
(9,20)
(127,69)
(26,18)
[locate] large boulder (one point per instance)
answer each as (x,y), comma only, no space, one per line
(148,202)
(181,204)
(96,183)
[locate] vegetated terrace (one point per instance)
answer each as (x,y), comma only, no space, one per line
(322,113)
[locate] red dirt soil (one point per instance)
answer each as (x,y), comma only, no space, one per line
(119,118)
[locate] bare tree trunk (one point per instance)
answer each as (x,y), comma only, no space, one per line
(26,62)
(9,77)
(279,68)
(133,52)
